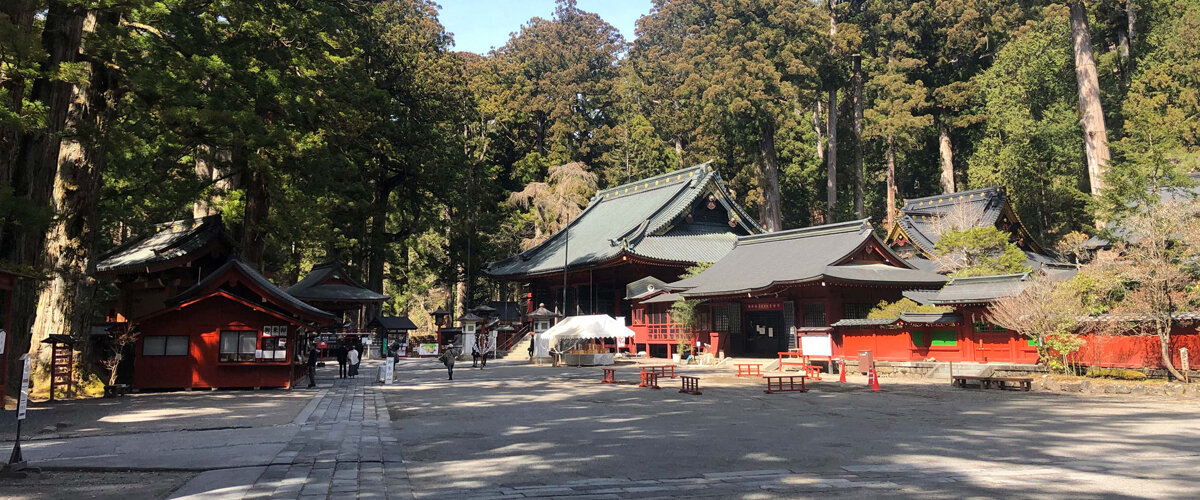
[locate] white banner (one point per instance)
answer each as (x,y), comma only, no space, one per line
(389,370)
(24,388)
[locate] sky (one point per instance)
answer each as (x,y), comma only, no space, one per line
(480,25)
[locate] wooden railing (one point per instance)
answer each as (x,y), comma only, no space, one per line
(512,340)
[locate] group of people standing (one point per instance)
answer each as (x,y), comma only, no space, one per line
(348,355)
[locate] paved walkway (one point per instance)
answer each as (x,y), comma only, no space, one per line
(345,447)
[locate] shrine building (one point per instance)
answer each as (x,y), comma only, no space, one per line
(658,226)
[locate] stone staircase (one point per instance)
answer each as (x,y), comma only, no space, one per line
(520,349)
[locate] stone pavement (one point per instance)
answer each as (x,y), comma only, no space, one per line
(345,448)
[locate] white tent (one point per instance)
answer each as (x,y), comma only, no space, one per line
(595,326)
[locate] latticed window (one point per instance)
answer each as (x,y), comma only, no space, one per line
(855,310)
(814,314)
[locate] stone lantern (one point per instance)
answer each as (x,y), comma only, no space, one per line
(542,319)
(471,325)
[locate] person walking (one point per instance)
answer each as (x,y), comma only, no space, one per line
(475,355)
(483,351)
(447,358)
(352,358)
(341,354)
(313,355)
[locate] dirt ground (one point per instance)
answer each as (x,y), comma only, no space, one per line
(519,425)
(99,485)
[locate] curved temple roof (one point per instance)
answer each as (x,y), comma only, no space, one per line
(640,219)
(328,282)
(802,255)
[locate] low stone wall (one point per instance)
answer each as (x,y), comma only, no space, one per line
(1086,386)
(927,368)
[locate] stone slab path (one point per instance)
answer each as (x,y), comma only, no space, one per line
(346,448)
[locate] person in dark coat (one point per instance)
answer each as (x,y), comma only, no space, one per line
(343,355)
(475,356)
(313,355)
(447,358)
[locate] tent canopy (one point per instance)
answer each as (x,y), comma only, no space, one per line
(595,326)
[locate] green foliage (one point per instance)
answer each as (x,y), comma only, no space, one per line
(980,251)
(1115,373)
(889,310)
(683,312)
(1031,138)
(693,270)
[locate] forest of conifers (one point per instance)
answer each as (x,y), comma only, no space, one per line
(352,129)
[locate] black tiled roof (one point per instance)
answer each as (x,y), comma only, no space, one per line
(392,323)
(169,241)
(800,255)
(314,288)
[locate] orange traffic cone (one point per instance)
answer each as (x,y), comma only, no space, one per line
(842,371)
(873,379)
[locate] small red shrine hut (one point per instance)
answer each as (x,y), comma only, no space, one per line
(778,291)
(658,226)
(963,334)
(234,328)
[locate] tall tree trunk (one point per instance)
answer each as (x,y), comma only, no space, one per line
(212,167)
(859,210)
(772,214)
(891,181)
(258,207)
(831,131)
(1095,137)
(947,157)
(1164,342)
(65,305)
(819,130)
(20,16)
(33,170)
(679,150)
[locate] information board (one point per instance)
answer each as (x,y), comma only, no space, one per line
(816,345)
(24,388)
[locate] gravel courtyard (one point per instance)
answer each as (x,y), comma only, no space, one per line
(517,429)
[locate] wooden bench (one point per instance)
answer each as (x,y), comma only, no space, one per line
(784,383)
(649,379)
(810,370)
(1023,383)
(610,376)
(691,385)
(961,380)
(749,370)
(662,371)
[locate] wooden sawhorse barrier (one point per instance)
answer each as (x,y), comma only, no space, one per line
(784,383)
(610,376)
(691,385)
(804,363)
(749,370)
(662,371)
(649,379)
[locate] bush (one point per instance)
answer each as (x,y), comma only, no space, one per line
(1116,373)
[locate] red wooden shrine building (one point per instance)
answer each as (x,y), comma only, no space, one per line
(963,334)
(772,290)
(232,329)
(658,226)
(206,319)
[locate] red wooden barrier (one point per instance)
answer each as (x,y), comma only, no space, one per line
(649,379)
(610,376)
(748,370)
(662,371)
(784,383)
(691,385)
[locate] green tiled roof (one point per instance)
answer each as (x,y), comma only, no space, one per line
(643,218)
